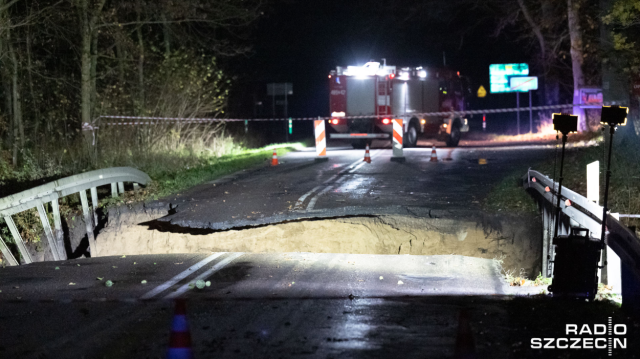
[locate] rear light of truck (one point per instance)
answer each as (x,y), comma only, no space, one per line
(334,121)
(386,121)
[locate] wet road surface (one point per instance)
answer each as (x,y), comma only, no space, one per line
(285,305)
(345,185)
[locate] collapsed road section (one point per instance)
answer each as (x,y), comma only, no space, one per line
(513,240)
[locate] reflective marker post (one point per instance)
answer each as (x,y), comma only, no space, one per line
(321,140)
(398,129)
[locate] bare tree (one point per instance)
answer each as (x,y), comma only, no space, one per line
(575,33)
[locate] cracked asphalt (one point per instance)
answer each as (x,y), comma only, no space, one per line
(344,185)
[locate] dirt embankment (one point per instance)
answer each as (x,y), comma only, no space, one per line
(515,240)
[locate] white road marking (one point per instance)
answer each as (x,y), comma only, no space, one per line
(357,167)
(182,275)
(313,201)
(206,274)
(300,202)
(376,154)
(330,179)
(350,168)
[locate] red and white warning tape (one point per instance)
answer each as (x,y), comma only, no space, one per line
(146,120)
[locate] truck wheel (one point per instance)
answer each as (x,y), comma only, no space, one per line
(454,137)
(411,137)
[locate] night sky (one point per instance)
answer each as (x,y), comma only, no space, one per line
(301,41)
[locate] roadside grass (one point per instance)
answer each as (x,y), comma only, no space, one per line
(170,171)
(624,195)
(170,181)
(520,279)
(624,192)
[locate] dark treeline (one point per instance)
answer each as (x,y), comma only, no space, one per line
(64,63)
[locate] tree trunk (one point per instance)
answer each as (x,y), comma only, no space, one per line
(141,98)
(34,101)
(16,96)
(94,65)
(120,55)
(7,87)
(85,63)
(88,18)
(575,34)
(166,33)
(18,126)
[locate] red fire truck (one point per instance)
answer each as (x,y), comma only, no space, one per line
(377,93)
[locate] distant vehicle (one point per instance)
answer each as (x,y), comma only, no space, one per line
(380,93)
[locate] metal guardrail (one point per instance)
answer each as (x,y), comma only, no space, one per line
(588,215)
(39,196)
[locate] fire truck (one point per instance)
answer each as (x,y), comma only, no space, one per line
(365,99)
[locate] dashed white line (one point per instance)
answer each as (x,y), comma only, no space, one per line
(180,276)
(350,169)
(300,201)
(313,201)
(206,274)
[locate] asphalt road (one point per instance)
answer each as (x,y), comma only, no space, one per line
(345,185)
(285,305)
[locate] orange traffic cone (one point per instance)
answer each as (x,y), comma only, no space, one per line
(434,156)
(465,347)
(180,337)
(367,157)
(274,159)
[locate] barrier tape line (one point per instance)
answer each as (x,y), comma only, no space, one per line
(146,120)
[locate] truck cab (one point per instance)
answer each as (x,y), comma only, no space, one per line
(365,99)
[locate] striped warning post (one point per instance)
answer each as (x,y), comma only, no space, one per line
(180,338)
(398,155)
(321,141)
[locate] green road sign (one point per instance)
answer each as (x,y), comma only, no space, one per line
(499,75)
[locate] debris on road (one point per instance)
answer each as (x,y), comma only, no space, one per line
(144,281)
(98,278)
(200,284)
(400,282)
(381,278)
(57,268)
(71,283)
(108,283)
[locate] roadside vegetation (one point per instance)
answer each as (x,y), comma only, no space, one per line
(175,156)
(624,192)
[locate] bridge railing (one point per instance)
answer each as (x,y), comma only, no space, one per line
(579,211)
(39,196)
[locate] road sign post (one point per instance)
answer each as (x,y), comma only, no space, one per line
(524,84)
(280,89)
(530,114)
